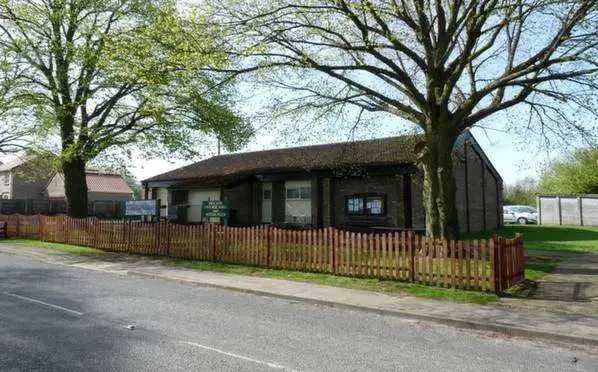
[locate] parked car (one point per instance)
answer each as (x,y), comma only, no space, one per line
(521,214)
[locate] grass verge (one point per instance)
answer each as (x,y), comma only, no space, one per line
(84,251)
(376,285)
(547,246)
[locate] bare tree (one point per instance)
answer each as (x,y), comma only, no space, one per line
(443,65)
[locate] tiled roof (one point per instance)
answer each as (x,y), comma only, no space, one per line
(107,183)
(383,151)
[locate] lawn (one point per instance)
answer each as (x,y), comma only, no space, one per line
(84,251)
(547,246)
(377,285)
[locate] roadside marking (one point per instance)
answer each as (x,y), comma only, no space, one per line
(78,313)
(271,365)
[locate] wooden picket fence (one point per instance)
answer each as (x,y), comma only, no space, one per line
(482,265)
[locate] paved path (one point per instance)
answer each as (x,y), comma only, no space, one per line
(540,323)
(572,288)
(65,318)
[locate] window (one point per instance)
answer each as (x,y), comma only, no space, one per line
(267,194)
(365,205)
(299,193)
(355,205)
(298,202)
(374,205)
(7,179)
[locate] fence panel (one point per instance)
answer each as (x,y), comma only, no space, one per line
(493,265)
(561,209)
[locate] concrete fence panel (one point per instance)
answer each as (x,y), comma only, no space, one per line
(578,210)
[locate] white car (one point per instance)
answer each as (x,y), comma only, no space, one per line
(521,214)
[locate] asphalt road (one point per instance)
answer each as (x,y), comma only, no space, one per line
(59,318)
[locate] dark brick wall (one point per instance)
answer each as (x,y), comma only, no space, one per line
(326,202)
(417,200)
(241,202)
(315,202)
(390,186)
(257,202)
(278,201)
(492,219)
(23,188)
(483,189)
(459,171)
(474,188)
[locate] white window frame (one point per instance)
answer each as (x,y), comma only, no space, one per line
(298,185)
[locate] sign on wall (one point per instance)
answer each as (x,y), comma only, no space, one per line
(215,208)
(150,207)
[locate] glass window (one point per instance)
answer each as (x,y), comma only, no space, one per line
(267,194)
(305,192)
(355,205)
(293,194)
(375,205)
(7,178)
(365,205)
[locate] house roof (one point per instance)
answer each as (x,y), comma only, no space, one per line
(107,183)
(8,166)
(382,151)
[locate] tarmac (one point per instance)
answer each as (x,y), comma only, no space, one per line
(544,318)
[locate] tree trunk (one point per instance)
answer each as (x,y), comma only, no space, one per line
(440,188)
(75,186)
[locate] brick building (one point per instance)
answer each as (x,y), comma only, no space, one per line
(373,184)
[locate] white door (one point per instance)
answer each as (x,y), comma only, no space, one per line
(196,198)
(266,203)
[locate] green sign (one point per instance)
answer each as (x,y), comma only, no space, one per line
(215,208)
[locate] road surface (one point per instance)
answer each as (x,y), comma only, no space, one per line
(60,318)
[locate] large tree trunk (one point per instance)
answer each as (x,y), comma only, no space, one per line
(440,188)
(75,186)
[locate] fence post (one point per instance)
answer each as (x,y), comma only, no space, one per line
(268,245)
(127,235)
(213,240)
(520,275)
(40,227)
(560,212)
(410,251)
(66,229)
(18,226)
(167,238)
(580,209)
(497,264)
(333,250)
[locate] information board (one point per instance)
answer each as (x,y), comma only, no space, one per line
(150,207)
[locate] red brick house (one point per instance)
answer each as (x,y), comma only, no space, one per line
(372,184)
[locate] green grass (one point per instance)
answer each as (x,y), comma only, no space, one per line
(384,286)
(84,251)
(547,246)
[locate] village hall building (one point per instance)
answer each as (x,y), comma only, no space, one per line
(362,185)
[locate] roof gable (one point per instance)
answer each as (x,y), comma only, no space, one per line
(107,183)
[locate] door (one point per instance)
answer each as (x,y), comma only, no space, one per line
(267,203)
